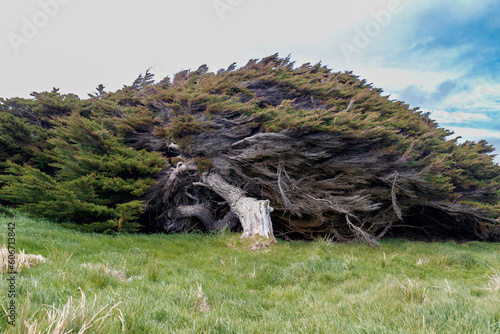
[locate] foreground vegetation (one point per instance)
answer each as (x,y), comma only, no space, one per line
(193,283)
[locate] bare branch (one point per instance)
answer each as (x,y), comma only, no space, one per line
(395,206)
(367,238)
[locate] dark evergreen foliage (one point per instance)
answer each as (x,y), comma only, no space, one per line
(332,154)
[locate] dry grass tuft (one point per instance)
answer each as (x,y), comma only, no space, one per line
(76,316)
(422,261)
(253,274)
(118,274)
(385,261)
(22,261)
(493,283)
(259,246)
(412,291)
(200,300)
(446,287)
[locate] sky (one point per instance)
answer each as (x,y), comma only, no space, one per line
(441,56)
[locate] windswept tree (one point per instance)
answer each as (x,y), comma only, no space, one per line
(269,148)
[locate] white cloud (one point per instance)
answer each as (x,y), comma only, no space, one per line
(474,133)
(481,95)
(457,117)
(394,80)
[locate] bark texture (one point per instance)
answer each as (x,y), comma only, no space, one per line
(331,156)
(328,152)
(254,215)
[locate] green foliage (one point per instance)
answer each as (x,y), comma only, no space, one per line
(88,162)
(18,140)
(43,108)
(315,99)
(204,164)
(6,211)
(183,126)
(95,182)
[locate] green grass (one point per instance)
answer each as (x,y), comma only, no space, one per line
(195,283)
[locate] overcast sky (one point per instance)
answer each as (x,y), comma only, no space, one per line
(442,56)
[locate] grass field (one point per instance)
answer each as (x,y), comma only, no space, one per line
(195,283)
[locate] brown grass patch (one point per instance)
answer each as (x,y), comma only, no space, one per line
(118,274)
(22,261)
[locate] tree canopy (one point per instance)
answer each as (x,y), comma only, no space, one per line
(322,153)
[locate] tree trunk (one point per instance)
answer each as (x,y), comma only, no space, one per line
(205,216)
(199,211)
(254,215)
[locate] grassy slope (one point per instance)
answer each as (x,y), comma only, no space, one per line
(214,284)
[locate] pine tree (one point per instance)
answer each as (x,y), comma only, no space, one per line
(315,152)
(97,179)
